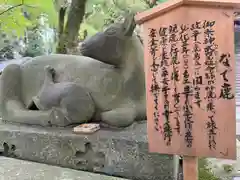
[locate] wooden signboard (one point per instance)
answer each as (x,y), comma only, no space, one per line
(190,78)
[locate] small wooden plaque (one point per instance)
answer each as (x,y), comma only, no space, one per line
(86,128)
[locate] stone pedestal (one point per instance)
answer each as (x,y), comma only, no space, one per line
(118,153)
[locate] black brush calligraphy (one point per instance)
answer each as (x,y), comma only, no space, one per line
(226,91)
(187,82)
(155,87)
(164,65)
(196,31)
(210,50)
(175,77)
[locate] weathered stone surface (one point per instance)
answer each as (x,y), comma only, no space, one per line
(118,153)
(13,169)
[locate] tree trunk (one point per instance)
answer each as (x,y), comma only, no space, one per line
(71,30)
(61,20)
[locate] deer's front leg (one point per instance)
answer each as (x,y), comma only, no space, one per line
(12,108)
(16,112)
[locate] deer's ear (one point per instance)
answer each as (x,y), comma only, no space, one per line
(129,25)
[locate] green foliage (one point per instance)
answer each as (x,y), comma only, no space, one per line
(17,15)
(99,13)
(103,12)
(205,172)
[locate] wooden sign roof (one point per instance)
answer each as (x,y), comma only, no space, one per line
(171,4)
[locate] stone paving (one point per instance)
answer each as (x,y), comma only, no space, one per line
(13,169)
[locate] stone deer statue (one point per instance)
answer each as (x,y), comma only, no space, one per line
(105,84)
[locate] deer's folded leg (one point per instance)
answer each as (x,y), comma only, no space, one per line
(16,112)
(12,108)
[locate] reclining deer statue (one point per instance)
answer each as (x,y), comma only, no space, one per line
(105,84)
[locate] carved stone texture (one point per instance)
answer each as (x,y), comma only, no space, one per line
(90,160)
(118,153)
(7,150)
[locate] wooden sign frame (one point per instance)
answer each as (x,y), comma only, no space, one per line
(212,124)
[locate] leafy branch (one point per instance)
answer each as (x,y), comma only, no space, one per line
(13,7)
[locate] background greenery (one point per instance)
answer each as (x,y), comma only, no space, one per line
(18,15)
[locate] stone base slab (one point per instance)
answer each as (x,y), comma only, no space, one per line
(112,152)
